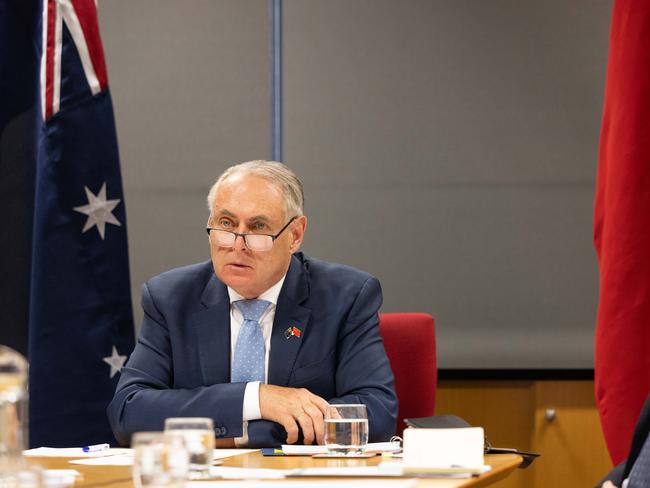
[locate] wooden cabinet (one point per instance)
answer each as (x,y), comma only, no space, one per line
(555,418)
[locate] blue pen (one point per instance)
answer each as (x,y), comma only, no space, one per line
(96,447)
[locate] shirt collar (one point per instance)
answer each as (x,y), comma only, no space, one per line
(270,295)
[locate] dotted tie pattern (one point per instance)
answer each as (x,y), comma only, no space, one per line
(248,364)
(640,472)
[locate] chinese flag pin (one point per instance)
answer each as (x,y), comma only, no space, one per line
(292,332)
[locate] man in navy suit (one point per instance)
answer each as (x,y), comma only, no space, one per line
(319,327)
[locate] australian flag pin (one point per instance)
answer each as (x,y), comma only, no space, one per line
(292,332)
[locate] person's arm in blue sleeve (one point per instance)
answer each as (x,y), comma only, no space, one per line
(145,396)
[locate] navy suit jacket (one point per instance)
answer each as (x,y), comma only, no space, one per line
(180,366)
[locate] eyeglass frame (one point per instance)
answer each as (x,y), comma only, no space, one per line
(243,236)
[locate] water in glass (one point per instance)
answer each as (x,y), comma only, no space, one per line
(346,429)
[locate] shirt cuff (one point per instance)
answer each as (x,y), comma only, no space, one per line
(251,408)
(250,411)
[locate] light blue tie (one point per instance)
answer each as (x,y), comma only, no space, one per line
(248,364)
(640,472)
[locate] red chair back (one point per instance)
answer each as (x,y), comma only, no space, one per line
(410,343)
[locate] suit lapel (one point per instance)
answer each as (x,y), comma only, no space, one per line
(212,326)
(289,313)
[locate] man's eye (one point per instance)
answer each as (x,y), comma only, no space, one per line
(258,226)
(225,223)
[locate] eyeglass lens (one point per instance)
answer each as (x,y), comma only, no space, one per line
(254,242)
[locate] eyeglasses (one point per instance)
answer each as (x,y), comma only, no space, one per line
(254,242)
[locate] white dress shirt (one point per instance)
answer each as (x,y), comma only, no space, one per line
(251,407)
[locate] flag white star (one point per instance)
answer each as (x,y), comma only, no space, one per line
(115,361)
(98,211)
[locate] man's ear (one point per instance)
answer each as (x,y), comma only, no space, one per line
(297,229)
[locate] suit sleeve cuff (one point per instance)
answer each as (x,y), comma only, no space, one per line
(251,407)
(243,440)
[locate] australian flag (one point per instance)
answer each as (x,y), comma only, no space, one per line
(80,315)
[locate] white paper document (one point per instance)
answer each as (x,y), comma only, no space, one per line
(306,484)
(65,473)
(300,450)
(225,453)
(124,457)
(72,452)
(353,471)
(117,460)
(60,477)
(229,473)
(382,470)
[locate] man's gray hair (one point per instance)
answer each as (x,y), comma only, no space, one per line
(277,173)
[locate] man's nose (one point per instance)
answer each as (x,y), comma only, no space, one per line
(240,243)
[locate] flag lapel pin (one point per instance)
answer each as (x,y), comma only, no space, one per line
(292,332)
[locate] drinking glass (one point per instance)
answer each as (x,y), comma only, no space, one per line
(149,463)
(346,429)
(198,433)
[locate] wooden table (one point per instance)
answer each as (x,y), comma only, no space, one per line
(120,476)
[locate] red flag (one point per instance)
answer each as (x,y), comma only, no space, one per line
(622,229)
